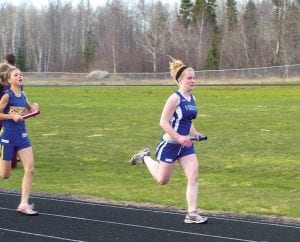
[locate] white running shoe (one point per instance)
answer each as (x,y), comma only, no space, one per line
(194,217)
(27,209)
(139,157)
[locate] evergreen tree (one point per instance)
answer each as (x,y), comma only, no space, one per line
(213,56)
(199,10)
(280,16)
(88,46)
(185,12)
(211,14)
(88,51)
(21,59)
(293,38)
(231,15)
(87,54)
(250,23)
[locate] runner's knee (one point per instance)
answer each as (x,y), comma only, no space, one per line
(163,181)
(5,175)
(30,171)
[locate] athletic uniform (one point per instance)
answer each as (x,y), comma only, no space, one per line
(13,135)
(168,150)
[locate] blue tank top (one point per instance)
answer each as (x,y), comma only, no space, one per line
(184,114)
(15,105)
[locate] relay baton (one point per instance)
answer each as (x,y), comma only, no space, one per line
(201,138)
(29,115)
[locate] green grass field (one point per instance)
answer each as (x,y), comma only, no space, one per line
(84,138)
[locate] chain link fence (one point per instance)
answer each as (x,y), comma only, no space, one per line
(287,74)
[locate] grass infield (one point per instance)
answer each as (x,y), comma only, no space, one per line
(84,137)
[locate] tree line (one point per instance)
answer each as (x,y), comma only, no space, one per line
(122,36)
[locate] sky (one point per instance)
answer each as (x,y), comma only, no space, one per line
(40,3)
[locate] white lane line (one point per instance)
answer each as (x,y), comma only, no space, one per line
(257,222)
(139,226)
(150,210)
(39,235)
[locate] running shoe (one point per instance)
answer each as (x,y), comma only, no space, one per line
(194,217)
(27,209)
(139,157)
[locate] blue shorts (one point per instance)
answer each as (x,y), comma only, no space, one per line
(11,143)
(170,152)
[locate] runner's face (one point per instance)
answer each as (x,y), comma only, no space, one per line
(16,78)
(188,81)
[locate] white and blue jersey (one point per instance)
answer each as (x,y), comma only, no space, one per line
(184,114)
(181,121)
(13,135)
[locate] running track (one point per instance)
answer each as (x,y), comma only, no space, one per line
(75,220)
